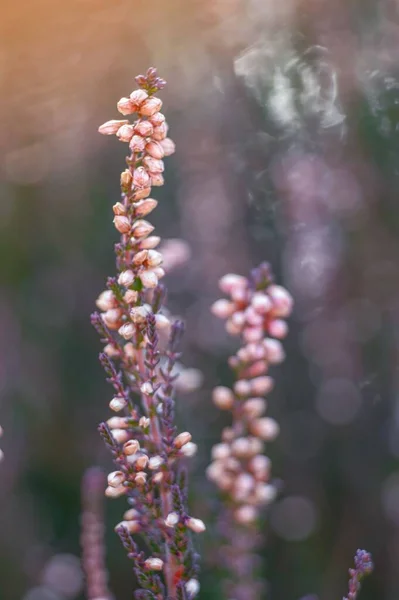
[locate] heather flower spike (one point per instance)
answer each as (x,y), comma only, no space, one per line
(239,468)
(141,436)
(92,542)
(363,567)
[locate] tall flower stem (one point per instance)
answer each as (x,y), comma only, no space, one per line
(139,359)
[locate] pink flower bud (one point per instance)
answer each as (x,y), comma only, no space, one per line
(155,463)
(137,143)
(125,133)
(255,407)
(192,587)
(220,451)
(157,119)
(168,146)
(261,385)
(131,447)
(144,207)
(266,429)
(242,387)
(112,492)
(138,97)
(141,179)
(117,423)
(106,300)
(172,519)
(111,127)
(182,439)
(141,478)
(130,296)
(159,272)
(153,165)
(258,368)
(150,106)
(230,281)
(261,303)
(243,485)
(150,242)
(111,351)
(122,224)
(144,129)
(238,319)
(140,257)
(126,278)
(195,525)
(214,471)
(131,514)
(252,317)
(148,279)
(120,435)
(239,295)
(142,462)
(112,317)
(116,478)
(162,322)
(160,132)
(260,465)
(189,450)
(274,351)
(252,334)
(131,527)
(127,331)
(119,209)
(139,314)
(125,106)
(154,258)
(157,179)
(222,308)
(117,404)
(126,180)
(223,397)
(281,299)
(142,228)
(278,328)
(240,447)
(155,150)
(245,515)
(153,564)
(265,493)
(141,193)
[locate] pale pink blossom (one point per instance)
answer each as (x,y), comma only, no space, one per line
(111,127)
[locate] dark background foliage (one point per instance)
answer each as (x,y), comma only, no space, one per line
(286,118)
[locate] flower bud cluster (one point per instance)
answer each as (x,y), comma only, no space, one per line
(255,310)
(142,437)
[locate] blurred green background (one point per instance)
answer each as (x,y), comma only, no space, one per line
(286,120)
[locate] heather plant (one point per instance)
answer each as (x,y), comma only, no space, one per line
(254,311)
(141,359)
